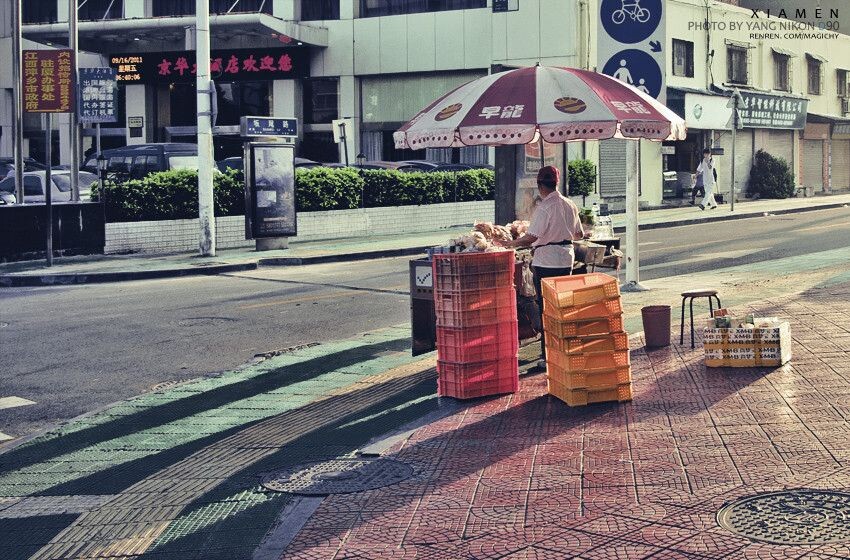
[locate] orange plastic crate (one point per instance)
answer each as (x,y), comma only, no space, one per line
(467,381)
(604,343)
(582,397)
(591,379)
(598,310)
(582,289)
(477,344)
(572,329)
(596,361)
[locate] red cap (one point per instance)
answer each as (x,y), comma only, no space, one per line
(549,176)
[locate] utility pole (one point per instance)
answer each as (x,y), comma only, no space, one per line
(74,119)
(17,104)
(206,209)
(734,102)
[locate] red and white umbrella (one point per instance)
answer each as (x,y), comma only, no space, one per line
(521,106)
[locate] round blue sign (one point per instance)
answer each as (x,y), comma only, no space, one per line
(635,68)
(630,21)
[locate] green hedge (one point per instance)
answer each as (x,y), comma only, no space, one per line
(173,195)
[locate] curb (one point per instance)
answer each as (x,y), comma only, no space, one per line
(343,257)
(32,280)
(730,217)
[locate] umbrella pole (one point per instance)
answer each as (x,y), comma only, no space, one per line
(542,155)
(632,207)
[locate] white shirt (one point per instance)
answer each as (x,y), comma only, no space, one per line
(707,170)
(555,219)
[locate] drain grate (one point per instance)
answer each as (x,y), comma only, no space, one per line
(790,517)
(338,476)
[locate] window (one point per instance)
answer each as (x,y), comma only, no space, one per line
(815,75)
(319,9)
(187,7)
(843,77)
(39,11)
(33,186)
(683,58)
(371,8)
(321,100)
(8,185)
(736,64)
(62,182)
(96,10)
(781,65)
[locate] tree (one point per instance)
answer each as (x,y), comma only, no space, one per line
(770,177)
(582,178)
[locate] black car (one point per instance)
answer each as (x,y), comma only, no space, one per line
(137,161)
(7,164)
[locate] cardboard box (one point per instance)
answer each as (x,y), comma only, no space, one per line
(743,347)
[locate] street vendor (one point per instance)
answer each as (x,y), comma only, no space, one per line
(555,224)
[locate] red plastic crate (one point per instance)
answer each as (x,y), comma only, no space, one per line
(473,281)
(605,343)
(599,310)
(576,329)
(471,300)
(462,264)
(467,381)
(477,344)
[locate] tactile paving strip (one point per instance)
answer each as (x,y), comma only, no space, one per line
(338,476)
(790,517)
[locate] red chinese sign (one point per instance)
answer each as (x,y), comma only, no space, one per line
(232,65)
(48,81)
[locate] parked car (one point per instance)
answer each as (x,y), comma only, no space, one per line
(8,163)
(421,164)
(135,162)
(237,163)
(34,187)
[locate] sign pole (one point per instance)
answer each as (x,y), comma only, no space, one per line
(632,208)
(18,104)
(734,134)
(97,158)
(74,120)
(206,209)
(344,137)
(48,186)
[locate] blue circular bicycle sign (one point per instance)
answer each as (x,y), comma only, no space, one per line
(630,21)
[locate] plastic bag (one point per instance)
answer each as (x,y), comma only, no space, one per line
(526,285)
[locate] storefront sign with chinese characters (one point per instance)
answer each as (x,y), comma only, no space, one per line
(773,111)
(48,81)
(97,95)
(226,66)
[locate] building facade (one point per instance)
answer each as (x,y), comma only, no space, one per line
(377,62)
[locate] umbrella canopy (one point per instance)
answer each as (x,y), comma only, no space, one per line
(557,104)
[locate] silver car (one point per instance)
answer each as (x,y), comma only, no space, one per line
(34,187)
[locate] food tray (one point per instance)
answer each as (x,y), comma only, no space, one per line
(597,379)
(598,310)
(582,289)
(604,343)
(596,361)
(582,397)
(572,329)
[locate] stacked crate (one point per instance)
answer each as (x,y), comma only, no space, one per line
(477,343)
(587,349)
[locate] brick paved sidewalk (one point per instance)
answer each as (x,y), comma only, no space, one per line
(525,477)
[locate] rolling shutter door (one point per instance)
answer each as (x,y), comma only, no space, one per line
(841,164)
(612,168)
(781,144)
(743,161)
(813,164)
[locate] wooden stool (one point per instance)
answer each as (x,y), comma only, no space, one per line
(692,294)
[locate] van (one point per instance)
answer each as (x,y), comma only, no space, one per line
(137,161)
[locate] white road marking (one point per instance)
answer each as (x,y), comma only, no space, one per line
(650,243)
(5,437)
(14,402)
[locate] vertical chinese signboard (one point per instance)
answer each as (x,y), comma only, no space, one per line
(97,95)
(48,81)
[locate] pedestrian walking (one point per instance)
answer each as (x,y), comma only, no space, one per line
(707,175)
(554,226)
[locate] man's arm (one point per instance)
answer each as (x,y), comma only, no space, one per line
(524,241)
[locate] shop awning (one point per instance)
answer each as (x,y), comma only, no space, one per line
(786,52)
(817,57)
(828,119)
(152,34)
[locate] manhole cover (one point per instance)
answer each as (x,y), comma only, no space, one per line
(791,517)
(339,476)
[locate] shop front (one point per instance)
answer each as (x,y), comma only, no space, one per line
(840,157)
(814,156)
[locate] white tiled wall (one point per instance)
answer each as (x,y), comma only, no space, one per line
(176,236)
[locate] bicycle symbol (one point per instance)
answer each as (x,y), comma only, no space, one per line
(633,10)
